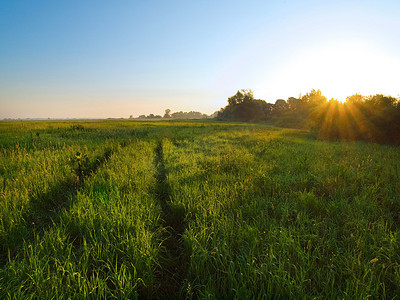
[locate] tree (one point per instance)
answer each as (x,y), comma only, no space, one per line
(243,107)
(293,103)
(280,106)
(314,97)
(241,96)
(355,99)
(167,114)
(189,115)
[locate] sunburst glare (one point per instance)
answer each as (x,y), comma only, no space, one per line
(339,70)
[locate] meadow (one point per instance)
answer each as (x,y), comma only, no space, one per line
(195,210)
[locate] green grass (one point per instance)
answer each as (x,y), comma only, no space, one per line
(167,209)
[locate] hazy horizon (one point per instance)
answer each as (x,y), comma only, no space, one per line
(100,60)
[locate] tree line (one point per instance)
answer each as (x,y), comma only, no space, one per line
(374,118)
(178,115)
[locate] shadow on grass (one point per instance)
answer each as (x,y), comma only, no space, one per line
(174,262)
(46,208)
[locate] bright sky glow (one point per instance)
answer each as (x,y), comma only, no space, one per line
(340,70)
(99,59)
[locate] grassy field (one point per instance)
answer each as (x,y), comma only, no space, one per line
(203,210)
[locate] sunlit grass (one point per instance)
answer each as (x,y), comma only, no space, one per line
(91,209)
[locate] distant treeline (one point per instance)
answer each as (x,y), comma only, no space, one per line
(371,118)
(179,115)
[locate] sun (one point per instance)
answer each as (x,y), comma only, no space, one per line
(340,69)
(344,69)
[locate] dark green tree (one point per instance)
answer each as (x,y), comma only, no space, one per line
(167,114)
(243,107)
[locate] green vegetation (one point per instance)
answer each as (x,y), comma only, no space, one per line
(374,118)
(177,115)
(199,209)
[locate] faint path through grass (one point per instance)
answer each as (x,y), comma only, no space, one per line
(174,261)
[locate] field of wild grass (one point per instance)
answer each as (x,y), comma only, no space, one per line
(168,209)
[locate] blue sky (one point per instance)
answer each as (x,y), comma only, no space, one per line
(98,59)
